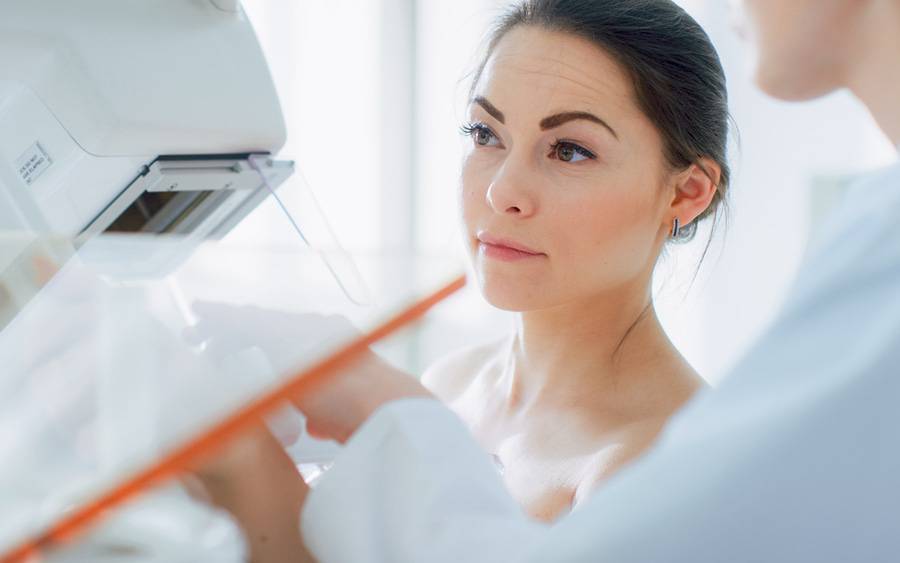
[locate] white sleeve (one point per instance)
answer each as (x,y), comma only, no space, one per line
(413,486)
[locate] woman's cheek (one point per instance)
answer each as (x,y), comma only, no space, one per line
(605,231)
(475,179)
(470,205)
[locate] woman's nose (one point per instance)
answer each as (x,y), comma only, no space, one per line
(509,194)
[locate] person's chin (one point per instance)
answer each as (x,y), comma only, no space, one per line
(511,297)
(785,83)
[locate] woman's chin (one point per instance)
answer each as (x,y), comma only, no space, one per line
(513,299)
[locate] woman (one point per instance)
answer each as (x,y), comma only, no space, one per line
(598,132)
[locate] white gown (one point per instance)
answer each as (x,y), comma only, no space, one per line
(794,457)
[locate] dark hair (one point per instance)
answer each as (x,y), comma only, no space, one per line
(677,77)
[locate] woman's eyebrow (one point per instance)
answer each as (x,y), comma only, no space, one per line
(490,108)
(548,122)
(558,119)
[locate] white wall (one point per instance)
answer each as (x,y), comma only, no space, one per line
(326,64)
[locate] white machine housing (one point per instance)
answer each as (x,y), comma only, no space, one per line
(133,116)
(98,94)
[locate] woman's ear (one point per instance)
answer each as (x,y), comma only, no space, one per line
(695,188)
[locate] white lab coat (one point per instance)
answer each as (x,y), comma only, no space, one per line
(795,457)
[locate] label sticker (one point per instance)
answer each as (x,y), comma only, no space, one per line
(33,162)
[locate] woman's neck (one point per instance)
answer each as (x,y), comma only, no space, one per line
(585,349)
(872,69)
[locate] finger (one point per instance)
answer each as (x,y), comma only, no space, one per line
(318,432)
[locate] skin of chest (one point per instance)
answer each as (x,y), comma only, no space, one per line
(549,459)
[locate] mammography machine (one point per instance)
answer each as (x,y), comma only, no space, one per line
(130,116)
(118,116)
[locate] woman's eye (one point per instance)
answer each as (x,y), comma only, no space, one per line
(481,134)
(570,152)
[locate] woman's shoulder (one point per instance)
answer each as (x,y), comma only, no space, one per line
(452,374)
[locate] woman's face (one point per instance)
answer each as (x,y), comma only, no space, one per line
(562,186)
(802,45)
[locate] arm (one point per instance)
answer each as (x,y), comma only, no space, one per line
(259,485)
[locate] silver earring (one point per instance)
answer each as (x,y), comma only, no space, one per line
(676,227)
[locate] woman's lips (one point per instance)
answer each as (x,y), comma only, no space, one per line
(506,250)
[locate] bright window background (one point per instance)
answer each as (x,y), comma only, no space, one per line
(373,94)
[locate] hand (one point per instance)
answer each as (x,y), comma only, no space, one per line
(338,406)
(267,344)
(285,339)
(254,480)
